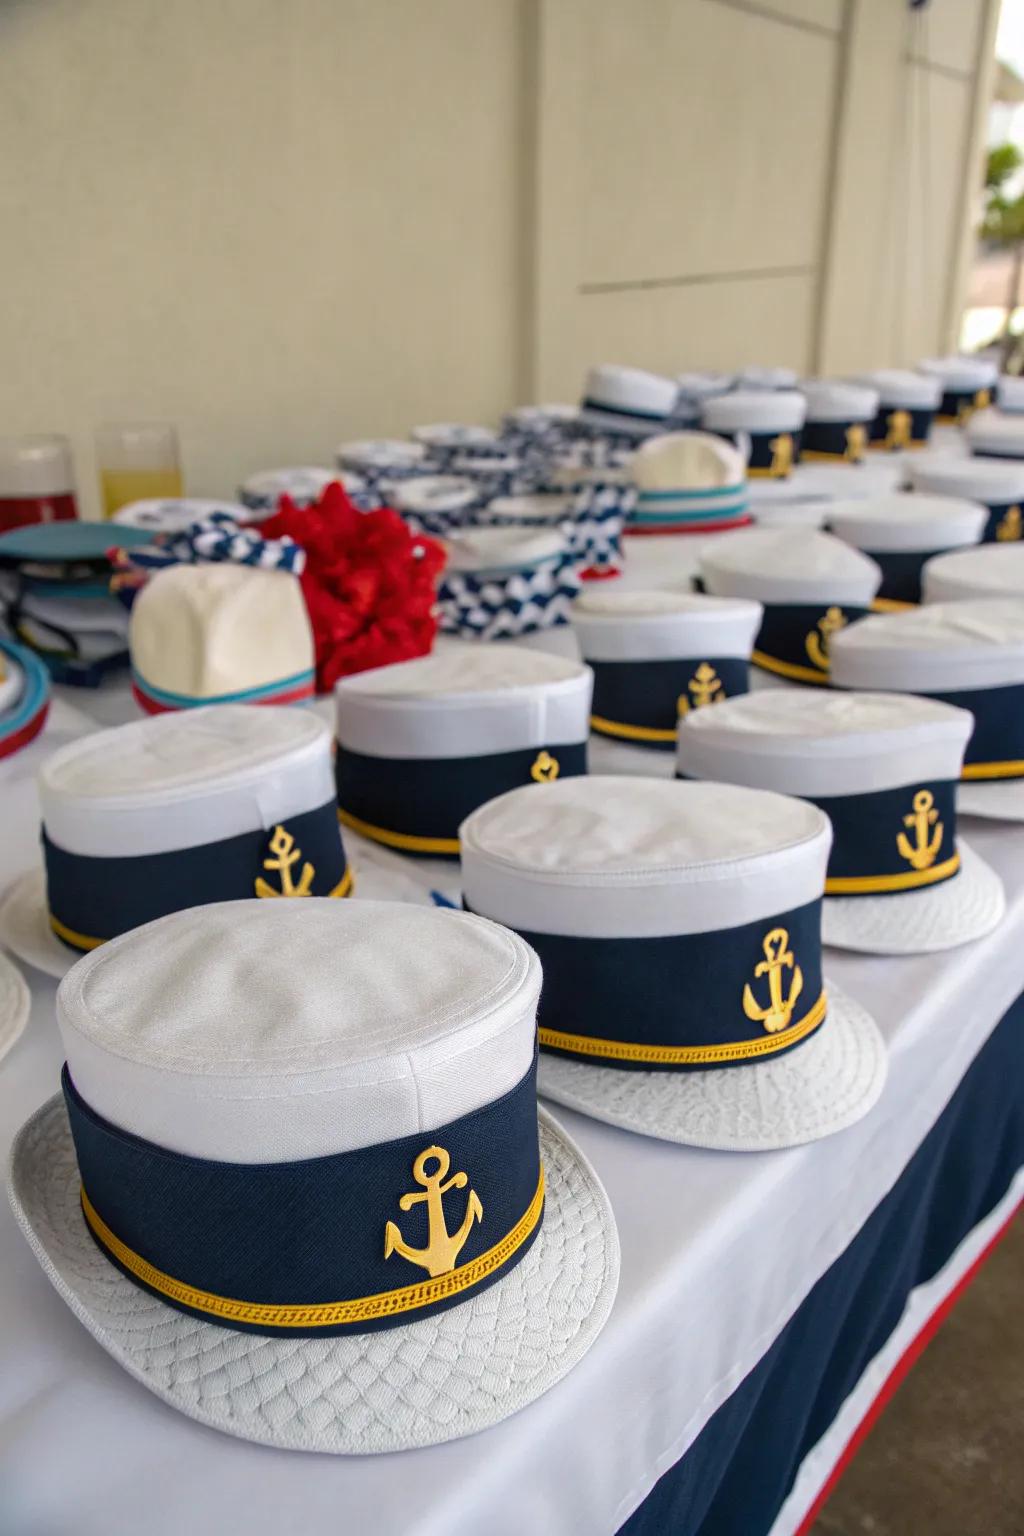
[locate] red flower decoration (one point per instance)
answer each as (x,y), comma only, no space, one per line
(370,584)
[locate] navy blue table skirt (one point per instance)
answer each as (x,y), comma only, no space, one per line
(737,1474)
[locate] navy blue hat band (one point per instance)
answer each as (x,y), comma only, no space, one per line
(901,576)
(897,427)
(996,747)
(685,1002)
(794,638)
(93,899)
(772,453)
(831,440)
(957,406)
(643,701)
(355,1242)
(891,840)
(418,804)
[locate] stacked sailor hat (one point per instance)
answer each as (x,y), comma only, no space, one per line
(175,812)
(173,514)
(839,418)
(220,634)
(884,769)
(302,484)
(967,385)
(421,744)
(901,532)
(811,585)
(1010,393)
(432,503)
(986,572)
(688,482)
(659,654)
(997,484)
(510,584)
(970,654)
(764,423)
(305,1148)
(24,697)
(538,510)
(907,403)
(993,434)
(627,401)
(766,378)
(390,456)
(678,926)
(444,440)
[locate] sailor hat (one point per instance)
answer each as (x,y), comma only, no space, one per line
(544,510)
(627,401)
(688,482)
(700,386)
(210,805)
(811,585)
(442,439)
(907,403)
(902,531)
(391,456)
(171,515)
(659,654)
(970,654)
(1010,393)
(514,584)
(993,434)
(764,423)
(302,484)
(839,417)
(432,503)
(884,769)
(967,385)
(678,926)
(985,572)
(997,483)
(298,1184)
(220,634)
(766,378)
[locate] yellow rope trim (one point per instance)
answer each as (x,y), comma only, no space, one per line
(398,839)
(331,1314)
(630,732)
(767,473)
(891,605)
(1010,770)
(907,880)
(686,1055)
(820,456)
(83,941)
(788,668)
(881,446)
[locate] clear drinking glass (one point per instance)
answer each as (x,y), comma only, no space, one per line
(37,481)
(137,461)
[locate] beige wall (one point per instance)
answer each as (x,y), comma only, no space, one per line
(284,222)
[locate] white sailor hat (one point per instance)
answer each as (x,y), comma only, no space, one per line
(968,653)
(678,926)
(515,584)
(839,416)
(764,423)
(811,585)
(302,484)
(985,572)
(432,503)
(993,434)
(658,654)
(391,456)
(901,531)
(967,384)
(207,805)
(627,401)
(701,386)
(171,515)
(884,769)
(220,634)
(541,510)
(422,743)
(688,482)
(282,1132)
(1010,393)
(766,378)
(997,483)
(907,403)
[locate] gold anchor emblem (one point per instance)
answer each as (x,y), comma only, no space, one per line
(443,1248)
(706,687)
(284,855)
(921,854)
(818,644)
(544,768)
(776,957)
(899,424)
(1009,525)
(982,398)
(782,454)
(856,442)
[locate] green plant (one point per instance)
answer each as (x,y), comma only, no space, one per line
(1003,225)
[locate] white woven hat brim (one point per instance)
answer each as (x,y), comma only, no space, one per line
(15,1002)
(426,1382)
(919,922)
(822,1086)
(25,920)
(996,800)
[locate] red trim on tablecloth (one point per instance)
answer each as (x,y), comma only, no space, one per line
(717,527)
(29,731)
(897,1375)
